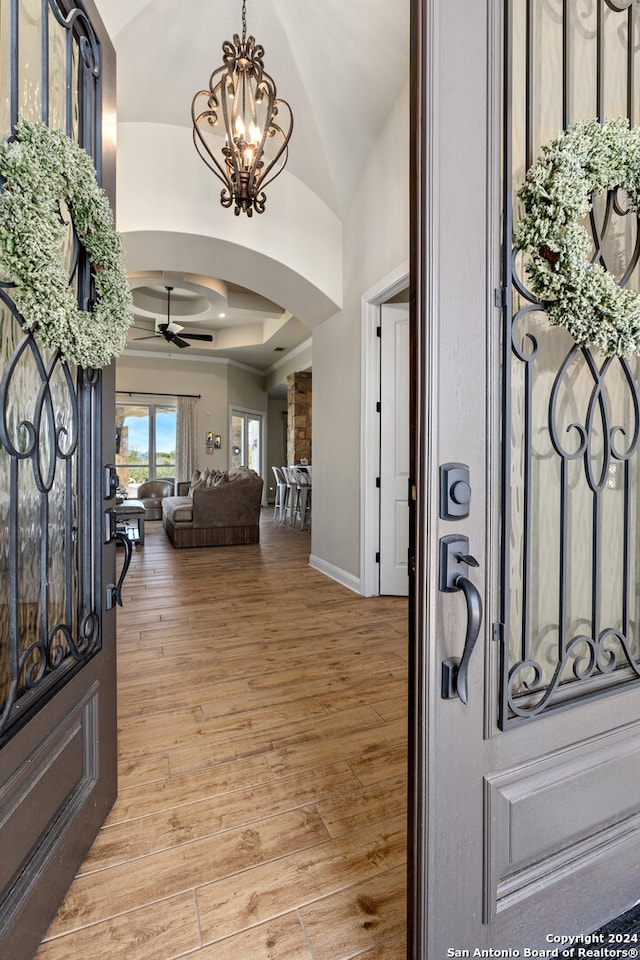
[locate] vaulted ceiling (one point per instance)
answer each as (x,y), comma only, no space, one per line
(341,66)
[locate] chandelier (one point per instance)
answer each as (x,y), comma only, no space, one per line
(242,99)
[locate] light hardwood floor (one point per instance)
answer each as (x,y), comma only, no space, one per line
(262,744)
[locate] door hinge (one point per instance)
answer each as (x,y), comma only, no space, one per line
(412,494)
(378,482)
(500,297)
(378,406)
(378,557)
(379,332)
(498,632)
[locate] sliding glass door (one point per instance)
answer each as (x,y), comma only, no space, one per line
(145,443)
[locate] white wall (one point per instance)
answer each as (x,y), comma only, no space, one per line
(170,218)
(376,242)
(246,390)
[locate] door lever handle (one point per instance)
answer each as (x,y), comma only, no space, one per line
(454,560)
(474,621)
(468,559)
(126,543)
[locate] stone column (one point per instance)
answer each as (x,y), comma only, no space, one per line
(299,417)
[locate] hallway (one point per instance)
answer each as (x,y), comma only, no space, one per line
(262,766)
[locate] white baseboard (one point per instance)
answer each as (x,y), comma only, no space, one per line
(341,576)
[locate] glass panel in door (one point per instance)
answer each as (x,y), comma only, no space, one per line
(254,427)
(246,440)
(572,468)
(165,445)
(132,446)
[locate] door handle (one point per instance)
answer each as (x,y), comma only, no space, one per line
(458,680)
(114,591)
(126,543)
(454,560)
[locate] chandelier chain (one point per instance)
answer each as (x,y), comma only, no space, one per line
(244,20)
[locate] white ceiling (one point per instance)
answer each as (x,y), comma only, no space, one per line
(244,326)
(340,64)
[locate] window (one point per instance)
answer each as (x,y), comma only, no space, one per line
(145,443)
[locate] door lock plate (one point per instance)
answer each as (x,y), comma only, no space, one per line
(449,677)
(454,560)
(110,481)
(455,491)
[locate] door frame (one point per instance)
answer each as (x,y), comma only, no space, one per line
(371,301)
(429,100)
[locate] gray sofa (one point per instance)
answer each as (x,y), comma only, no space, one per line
(220,509)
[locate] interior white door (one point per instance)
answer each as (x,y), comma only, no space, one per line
(394,449)
(526,776)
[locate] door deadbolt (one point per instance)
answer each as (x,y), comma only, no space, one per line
(455,491)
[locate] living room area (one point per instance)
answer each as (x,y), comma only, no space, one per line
(226,427)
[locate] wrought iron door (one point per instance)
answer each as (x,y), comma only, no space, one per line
(524,827)
(49,425)
(571,418)
(57,683)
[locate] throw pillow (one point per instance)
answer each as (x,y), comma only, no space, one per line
(196,486)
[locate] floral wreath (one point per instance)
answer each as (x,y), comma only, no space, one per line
(587,158)
(42,168)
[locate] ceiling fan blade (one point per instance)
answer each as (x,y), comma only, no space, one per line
(199,336)
(151,336)
(179,342)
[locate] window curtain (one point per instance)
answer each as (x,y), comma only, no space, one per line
(186,438)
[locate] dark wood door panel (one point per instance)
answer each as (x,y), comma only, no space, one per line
(58,784)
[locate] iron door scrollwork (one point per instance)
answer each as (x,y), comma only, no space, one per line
(50,411)
(570,621)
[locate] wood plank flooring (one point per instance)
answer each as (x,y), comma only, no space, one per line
(262,766)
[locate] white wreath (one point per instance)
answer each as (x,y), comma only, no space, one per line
(43,167)
(587,158)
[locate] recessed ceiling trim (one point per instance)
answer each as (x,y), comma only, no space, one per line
(157,355)
(307,345)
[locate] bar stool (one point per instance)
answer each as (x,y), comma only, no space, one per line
(292,495)
(303,496)
(280,502)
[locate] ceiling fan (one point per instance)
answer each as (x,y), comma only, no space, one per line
(171,330)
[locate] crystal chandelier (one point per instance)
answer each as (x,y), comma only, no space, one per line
(242,98)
